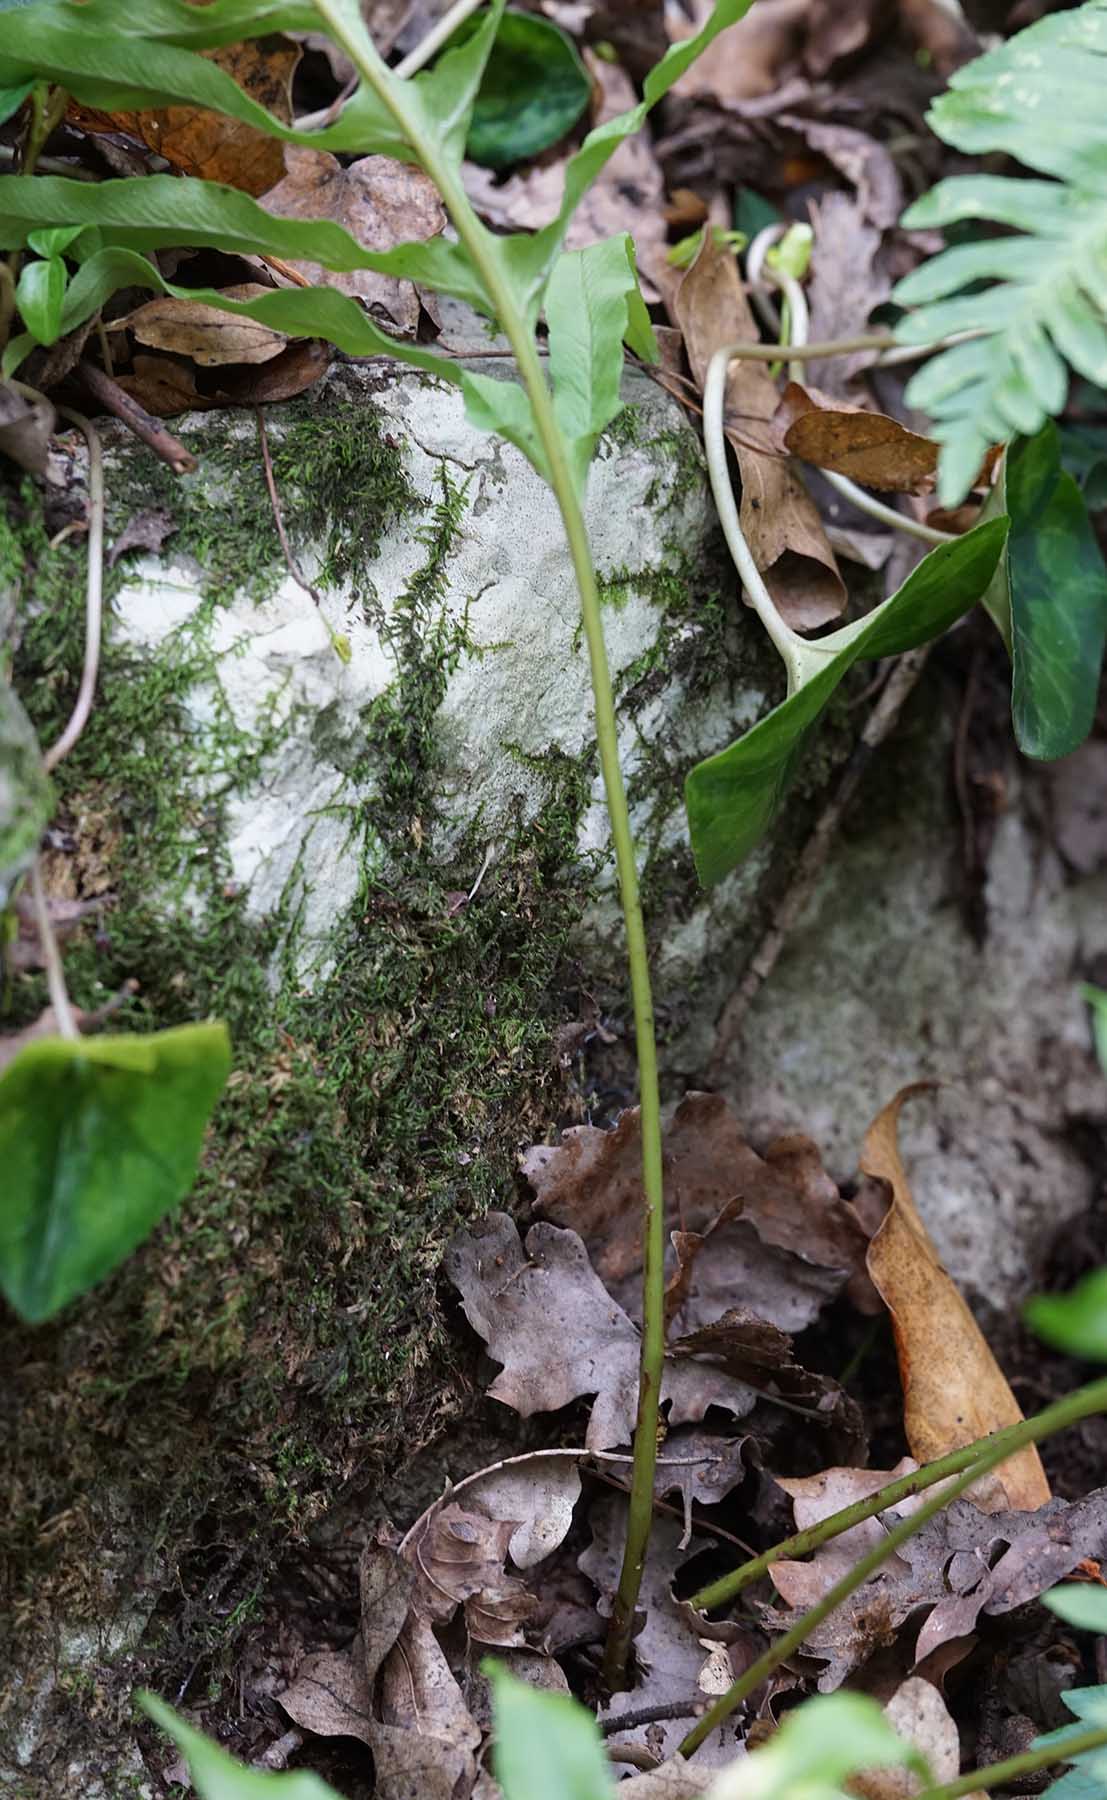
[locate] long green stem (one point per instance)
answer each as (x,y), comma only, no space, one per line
(1000,1774)
(481,249)
(1087,1400)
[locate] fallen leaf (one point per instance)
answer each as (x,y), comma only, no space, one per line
(701,1467)
(869,447)
(953,1390)
(671,1780)
(750,58)
(145,530)
(210,144)
(919,1714)
(848,280)
(816,1497)
(781,1235)
(381,203)
(206,334)
(546,1316)
(167,387)
(26,425)
(65,915)
(778,516)
(669,1654)
(759,1353)
(838,29)
(164,387)
(944,35)
(865,163)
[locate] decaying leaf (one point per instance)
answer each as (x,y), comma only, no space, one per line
(752,58)
(779,518)
(212,145)
(381,203)
(546,1316)
(848,280)
(206,334)
(144,530)
(918,1713)
(953,1390)
(669,1651)
(26,424)
(166,386)
(781,1237)
(869,447)
(759,1353)
(961,1563)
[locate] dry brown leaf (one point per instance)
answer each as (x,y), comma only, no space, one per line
(814,1498)
(144,530)
(750,58)
(163,386)
(546,1316)
(789,1224)
(779,518)
(381,203)
(919,1714)
(961,1563)
(206,334)
(849,278)
(944,35)
(212,145)
(866,164)
(26,425)
(759,1353)
(838,29)
(953,1389)
(869,447)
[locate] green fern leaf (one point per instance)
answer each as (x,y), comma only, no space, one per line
(1035,299)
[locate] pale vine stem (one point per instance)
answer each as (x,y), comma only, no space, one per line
(996,1450)
(435,38)
(480,247)
(51,957)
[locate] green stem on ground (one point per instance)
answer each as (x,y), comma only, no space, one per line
(1085,1401)
(1000,1774)
(1011,1439)
(481,246)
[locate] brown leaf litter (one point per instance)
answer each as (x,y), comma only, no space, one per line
(779,519)
(869,447)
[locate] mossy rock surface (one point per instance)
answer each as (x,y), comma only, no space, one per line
(388,870)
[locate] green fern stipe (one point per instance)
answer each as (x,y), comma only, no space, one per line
(1037,298)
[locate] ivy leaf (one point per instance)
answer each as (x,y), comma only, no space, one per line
(733,797)
(99,1137)
(216,1776)
(1075,1322)
(39,297)
(535,88)
(1049,599)
(547,1746)
(588,312)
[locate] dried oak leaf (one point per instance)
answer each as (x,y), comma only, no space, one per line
(780,520)
(950,1567)
(919,1714)
(381,203)
(206,334)
(547,1317)
(669,1651)
(760,1353)
(213,145)
(953,1389)
(869,447)
(779,1232)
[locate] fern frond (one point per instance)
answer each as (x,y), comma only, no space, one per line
(1041,98)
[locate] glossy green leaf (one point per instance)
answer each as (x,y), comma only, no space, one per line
(547,1746)
(218,22)
(39,297)
(1081,1604)
(530,259)
(1075,1322)
(535,88)
(217,1776)
(1049,599)
(99,1137)
(54,240)
(733,797)
(587,313)
(12,98)
(1087,1778)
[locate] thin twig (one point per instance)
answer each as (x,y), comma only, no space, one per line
(51,958)
(278,517)
(94,593)
(152,432)
(651,1715)
(879,725)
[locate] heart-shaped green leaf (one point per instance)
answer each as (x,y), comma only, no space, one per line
(534,90)
(99,1137)
(1049,598)
(39,296)
(733,797)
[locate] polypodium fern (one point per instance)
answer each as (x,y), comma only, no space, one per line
(1041,99)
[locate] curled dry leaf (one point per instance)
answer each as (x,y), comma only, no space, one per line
(758,1352)
(546,1316)
(381,203)
(953,1388)
(869,447)
(778,516)
(210,144)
